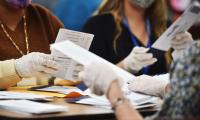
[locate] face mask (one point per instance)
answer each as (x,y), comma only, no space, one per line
(19,4)
(142,3)
(179,5)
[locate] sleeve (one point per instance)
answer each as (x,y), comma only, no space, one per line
(8,74)
(56,24)
(182,102)
(51,22)
(101,43)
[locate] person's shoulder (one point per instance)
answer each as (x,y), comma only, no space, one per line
(102,18)
(100,22)
(38,8)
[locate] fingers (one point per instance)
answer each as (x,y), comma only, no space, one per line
(45,69)
(145,59)
(143,56)
(81,75)
(138,50)
(148,62)
(181,41)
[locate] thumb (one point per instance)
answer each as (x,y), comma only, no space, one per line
(81,75)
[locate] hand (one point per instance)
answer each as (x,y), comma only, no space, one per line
(149,85)
(181,41)
(35,65)
(137,59)
(98,77)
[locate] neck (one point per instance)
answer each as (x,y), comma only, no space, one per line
(136,19)
(10,16)
(132,12)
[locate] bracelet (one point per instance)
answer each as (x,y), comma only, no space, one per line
(118,102)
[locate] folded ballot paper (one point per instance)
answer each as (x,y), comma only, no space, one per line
(70,68)
(26,106)
(183,23)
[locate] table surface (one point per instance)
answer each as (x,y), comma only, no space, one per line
(75,112)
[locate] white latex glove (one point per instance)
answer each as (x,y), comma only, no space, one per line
(36,65)
(137,59)
(180,42)
(149,85)
(98,77)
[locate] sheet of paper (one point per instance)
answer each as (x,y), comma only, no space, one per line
(85,57)
(183,23)
(60,89)
(136,99)
(70,68)
(4,95)
(31,107)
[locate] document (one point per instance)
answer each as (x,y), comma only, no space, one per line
(69,67)
(59,89)
(183,23)
(84,57)
(26,106)
(8,95)
(136,99)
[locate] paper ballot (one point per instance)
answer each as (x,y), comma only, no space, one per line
(70,68)
(183,23)
(31,107)
(85,57)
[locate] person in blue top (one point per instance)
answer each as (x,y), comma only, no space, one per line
(124,32)
(74,13)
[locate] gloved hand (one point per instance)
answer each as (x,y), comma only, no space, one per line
(149,85)
(180,42)
(137,59)
(98,77)
(36,65)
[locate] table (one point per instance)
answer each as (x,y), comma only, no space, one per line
(76,112)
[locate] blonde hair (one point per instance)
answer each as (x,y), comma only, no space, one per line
(156,13)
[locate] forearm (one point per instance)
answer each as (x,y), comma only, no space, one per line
(123,111)
(120,64)
(8,74)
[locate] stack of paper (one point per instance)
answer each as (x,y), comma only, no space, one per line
(7,95)
(31,107)
(69,91)
(136,99)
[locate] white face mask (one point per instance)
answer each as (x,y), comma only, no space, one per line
(142,3)
(180,5)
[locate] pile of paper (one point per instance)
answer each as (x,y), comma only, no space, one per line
(8,95)
(136,99)
(31,107)
(68,91)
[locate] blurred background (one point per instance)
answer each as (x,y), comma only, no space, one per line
(74,13)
